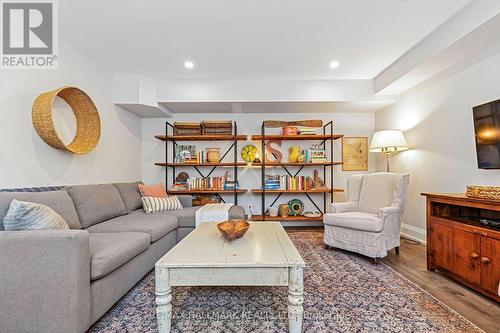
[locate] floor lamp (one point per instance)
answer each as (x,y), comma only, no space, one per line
(388,142)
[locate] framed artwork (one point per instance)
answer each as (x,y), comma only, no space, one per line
(355,153)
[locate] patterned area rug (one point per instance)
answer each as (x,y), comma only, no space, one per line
(343,293)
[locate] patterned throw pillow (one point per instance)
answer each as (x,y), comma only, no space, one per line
(23,215)
(155,204)
(157,190)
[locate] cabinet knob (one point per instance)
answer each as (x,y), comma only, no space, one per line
(483,233)
(474,255)
(485,260)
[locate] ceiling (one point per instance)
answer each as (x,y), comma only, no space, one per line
(275,107)
(228,39)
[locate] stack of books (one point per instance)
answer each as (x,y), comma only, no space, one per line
(307,131)
(288,183)
(209,183)
(316,154)
(179,186)
(231,185)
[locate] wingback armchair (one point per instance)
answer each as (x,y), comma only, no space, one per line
(370,221)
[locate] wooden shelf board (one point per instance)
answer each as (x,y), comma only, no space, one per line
(298,137)
(297,164)
(201,137)
(222,164)
(327,190)
(206,191)
(288,218)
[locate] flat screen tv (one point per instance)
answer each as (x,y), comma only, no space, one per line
(487,129)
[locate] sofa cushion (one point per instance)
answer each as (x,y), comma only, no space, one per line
(130,195)
(23,215)
(355,220)
(155,204)
(157,190)
(96,203)
(59,201)
(185,216)
(156,225)
(108,251)
(377,191)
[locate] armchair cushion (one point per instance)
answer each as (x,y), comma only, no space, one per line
(355,220)
(377,191)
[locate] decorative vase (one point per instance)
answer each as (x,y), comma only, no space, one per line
(294,154)
(296,207)
(290,130)
(283,210)
(273,211)
(213,155)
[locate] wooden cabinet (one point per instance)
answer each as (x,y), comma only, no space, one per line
(460,246)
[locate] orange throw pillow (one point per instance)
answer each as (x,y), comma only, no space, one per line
(153,190)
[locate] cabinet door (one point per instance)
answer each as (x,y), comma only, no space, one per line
(466,249)
(490,265)
(441,246)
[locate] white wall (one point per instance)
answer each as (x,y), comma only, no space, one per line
(354,124)
(26,160)
(438,124)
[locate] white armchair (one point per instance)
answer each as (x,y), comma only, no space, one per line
(370,221)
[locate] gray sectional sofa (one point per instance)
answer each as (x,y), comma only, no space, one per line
(64,281)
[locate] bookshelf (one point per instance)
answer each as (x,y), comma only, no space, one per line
(327,140)
(173,140)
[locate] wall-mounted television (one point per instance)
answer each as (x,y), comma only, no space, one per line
(487,129)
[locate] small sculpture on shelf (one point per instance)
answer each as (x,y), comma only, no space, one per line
(318,183)
(294,154)
(270,151)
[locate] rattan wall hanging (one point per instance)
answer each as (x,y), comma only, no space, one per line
(88,123)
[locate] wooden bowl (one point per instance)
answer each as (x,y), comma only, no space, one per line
(233,229)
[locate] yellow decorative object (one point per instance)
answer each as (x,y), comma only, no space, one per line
(248,153)
(294,154)
(301,158)
(88,123)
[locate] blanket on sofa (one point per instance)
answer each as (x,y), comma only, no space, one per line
(217,212)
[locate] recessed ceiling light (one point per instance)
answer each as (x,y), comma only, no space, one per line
(334,64)
(189,64)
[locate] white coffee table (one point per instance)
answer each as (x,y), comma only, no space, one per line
(264,256)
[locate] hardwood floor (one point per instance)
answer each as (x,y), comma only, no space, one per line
(411,263)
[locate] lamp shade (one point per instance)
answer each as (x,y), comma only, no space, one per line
(388,141)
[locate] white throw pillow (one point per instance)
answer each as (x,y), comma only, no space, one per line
(23,215)
(156,204)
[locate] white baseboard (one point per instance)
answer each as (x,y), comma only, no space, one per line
(414,233)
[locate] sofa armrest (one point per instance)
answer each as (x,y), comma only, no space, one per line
(45,281)
(342,207)
(186,200)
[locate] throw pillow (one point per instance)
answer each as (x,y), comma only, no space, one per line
(155,204)
(153,190)
(23,215)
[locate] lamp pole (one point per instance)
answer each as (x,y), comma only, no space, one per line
(387,153)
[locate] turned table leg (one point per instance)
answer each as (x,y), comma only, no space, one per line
(295,299)
(163,299)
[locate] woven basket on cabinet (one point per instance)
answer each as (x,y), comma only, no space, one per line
(88,124)
(483,192)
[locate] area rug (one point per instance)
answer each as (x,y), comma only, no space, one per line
(343,293)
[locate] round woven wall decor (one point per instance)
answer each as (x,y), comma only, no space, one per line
(88,123)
